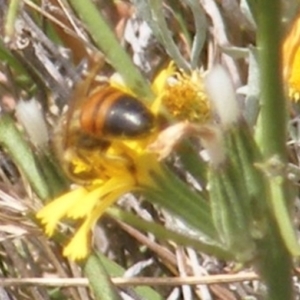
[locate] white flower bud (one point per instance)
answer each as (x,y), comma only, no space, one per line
(30,116)
(220,91)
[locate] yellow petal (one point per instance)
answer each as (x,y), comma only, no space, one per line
(146,164)
(86,204)
(53,212)
(291,60)
(294,79)
(78,248)
(160,80)
(109,199)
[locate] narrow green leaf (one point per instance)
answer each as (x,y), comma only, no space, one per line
(13,142)
(107,42)
(177,197)
(245,154)
(153,13)
(7,57)
(192,162)
(56,180)
(11,17)
(162,233)
(201,28)
(115,270)
(282,214)
(229,215)
(99,280)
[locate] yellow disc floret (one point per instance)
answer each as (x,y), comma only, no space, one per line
(185,99)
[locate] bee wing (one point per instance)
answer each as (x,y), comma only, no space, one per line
(81,91)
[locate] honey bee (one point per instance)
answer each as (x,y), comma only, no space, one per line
(93,121)
(109,114)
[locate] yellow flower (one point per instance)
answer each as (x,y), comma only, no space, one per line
(185,99)
(124,166)
(291,61)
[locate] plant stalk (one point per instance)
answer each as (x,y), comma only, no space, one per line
(274,260)
(273,106)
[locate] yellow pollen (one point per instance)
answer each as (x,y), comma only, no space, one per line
(185,99)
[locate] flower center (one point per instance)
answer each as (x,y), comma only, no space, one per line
(185,99)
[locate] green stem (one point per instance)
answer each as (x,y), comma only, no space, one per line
(274,260)
(275,266)
(273,106)
(11,18)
